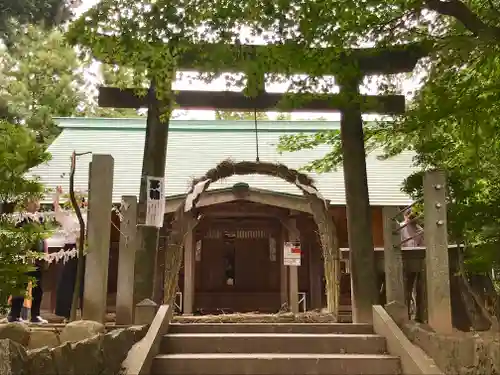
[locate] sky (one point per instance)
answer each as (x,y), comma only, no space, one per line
(189,82)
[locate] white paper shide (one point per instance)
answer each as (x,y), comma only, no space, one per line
(155,203)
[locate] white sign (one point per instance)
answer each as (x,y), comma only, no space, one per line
(291,254)
(155,203)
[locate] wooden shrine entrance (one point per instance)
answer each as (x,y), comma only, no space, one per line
(234,258)
(238,266)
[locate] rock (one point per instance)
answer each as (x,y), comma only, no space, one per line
(138,331)
(87,357)
(494,355)
(13,358)
(62,358)
(40,362)
(40,338)
(17,332)
(81,330)
(115,347)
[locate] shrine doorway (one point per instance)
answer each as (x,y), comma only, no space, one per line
(237,266)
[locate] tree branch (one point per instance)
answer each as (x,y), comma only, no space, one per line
(81,238)
(462,13)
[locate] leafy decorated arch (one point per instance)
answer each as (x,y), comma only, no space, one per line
(186,217)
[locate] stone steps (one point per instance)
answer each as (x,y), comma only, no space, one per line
(293,343)
(273,349)
(275,363)
(340,328)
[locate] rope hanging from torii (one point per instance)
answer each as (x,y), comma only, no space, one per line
(186,217)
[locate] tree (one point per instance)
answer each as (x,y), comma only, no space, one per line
(454,112)
(19,151)
(50,13)
(40,77)
(451,123)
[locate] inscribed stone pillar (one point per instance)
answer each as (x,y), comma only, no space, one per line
(393,259)
(126,261)
(364,293)
(189,273)
(436,256)
(293,271)
(99,231)
(145,312)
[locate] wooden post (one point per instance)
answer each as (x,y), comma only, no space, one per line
(283,270)
(393,259)
(159,277)
(364,293)
(436,254)
(126,261)
(155,150)
(189,273)
(293,271)
(421,297)
(99,231)
(395,296)
(315,272)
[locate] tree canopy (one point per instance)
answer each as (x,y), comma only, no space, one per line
(22,12)
(19,151)
(40,77)
(451,122)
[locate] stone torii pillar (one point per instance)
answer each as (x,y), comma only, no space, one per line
(364,292)
(155,151)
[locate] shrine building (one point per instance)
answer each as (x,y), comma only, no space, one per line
(238,256)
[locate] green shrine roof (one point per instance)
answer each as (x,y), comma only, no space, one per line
(194,146)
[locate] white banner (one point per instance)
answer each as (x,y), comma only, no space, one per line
(291,254)
(155,204)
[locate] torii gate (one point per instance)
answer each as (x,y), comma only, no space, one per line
(349,102)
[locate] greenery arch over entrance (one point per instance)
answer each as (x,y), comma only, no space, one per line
(186,217)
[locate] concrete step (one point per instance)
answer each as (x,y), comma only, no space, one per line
(330,343)
(276,364)
(343,328)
